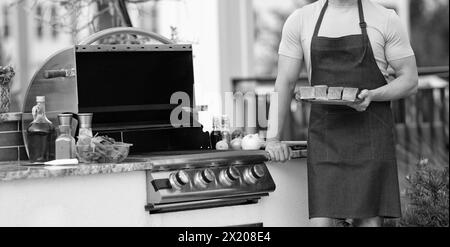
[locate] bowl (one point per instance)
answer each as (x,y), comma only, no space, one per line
(100,153)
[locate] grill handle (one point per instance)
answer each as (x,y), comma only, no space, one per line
(49,74)
(292,144)
(298,148)
(299,154)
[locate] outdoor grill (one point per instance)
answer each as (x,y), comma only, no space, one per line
(135,109)
(128,88)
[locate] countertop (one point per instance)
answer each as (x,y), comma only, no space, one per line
(16,170)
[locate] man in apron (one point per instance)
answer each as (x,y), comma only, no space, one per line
(352,170)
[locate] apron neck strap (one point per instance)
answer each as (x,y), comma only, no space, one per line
(362,22)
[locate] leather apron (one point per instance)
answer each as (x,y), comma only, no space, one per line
(352,169)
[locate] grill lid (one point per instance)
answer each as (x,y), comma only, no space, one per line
(132,84)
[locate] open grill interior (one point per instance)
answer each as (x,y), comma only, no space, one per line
(129,90)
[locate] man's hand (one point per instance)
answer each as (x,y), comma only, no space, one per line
(279,152)
(365,98)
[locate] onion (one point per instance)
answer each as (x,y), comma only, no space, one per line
(222,145)
(236,144)
(251,142)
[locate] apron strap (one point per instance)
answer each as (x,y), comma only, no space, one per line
(362,22)
(319,21)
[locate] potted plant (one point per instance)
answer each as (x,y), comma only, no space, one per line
(6,76)
(427,197)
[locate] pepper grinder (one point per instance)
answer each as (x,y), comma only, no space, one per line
(85,132)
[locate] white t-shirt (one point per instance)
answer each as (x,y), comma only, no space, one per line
(387,35)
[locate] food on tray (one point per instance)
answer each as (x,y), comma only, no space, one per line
(103,149)
(350,94)
(335,93)
(323,94)
(307,93)
(320,92)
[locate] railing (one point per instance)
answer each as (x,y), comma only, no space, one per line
(422,120)
(442,71)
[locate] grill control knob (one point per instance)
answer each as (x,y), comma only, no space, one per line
(205,177)
(253,174)
(208,176)
(229,175)
(179,179)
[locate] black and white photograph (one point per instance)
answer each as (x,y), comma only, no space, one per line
(245,115)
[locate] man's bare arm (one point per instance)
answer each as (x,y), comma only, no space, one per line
(288,73)
(404,85)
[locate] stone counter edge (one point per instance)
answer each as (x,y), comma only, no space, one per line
(17,171)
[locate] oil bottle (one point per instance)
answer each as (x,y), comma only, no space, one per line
(216,134)
(41,134)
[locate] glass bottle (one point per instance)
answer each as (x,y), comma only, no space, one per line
(65,143)
(216,134)
(85,132)
(225,129)
(41,134)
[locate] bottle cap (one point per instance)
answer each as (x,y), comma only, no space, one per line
(85,120)
(65,119)
(40,99)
